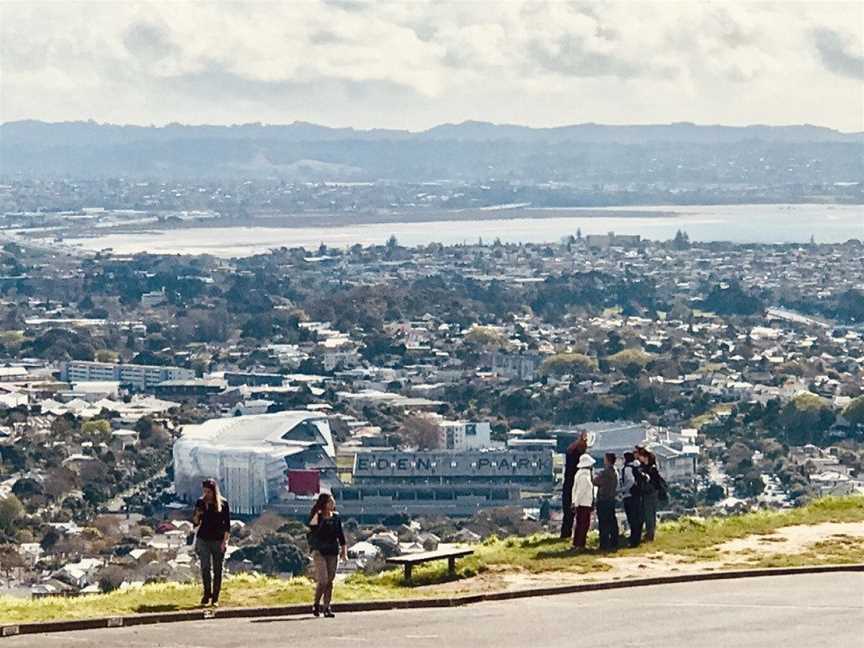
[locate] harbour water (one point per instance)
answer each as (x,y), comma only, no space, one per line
(736,223)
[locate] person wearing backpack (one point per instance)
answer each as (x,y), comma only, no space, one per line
(654,491)
(632,480)
(583,500)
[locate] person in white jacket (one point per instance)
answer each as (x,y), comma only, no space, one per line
(583,500)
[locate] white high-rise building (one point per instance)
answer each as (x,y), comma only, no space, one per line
(139,376)
(465,435)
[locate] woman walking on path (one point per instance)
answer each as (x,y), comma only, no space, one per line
(212,519)
(583,500)
(327,542)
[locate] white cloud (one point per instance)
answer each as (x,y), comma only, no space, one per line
(413,64)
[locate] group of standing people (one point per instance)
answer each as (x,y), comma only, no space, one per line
(640,487)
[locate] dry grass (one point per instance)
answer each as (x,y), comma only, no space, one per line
(839,549)
(693,540)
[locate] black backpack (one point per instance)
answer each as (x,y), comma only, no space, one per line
(642,484)
(662,489)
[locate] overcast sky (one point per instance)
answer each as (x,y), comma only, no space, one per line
(416,64)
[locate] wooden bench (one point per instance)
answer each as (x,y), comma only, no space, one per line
(409,560)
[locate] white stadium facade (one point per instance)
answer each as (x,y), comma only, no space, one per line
(250,456)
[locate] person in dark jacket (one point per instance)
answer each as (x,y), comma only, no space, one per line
(651,494)
(632,496)
(212,519)
(571,462)
(327,541)
(607,488)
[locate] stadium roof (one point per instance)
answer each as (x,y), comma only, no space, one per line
(284,431)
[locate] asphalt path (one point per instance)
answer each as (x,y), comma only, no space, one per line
(798,611)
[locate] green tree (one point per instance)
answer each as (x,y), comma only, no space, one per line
(714,493)
(750,484)
(567,363)
(739,459)
(485,337)
(854,411)
(99,430)
(106,355)
(111,578)
(630,361)
(276,554)
(422,432)
(805,419)
(11,510)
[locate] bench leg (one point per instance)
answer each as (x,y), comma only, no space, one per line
(451,565)
(408,567)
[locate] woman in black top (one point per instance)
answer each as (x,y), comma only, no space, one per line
(327,542)
(212,518)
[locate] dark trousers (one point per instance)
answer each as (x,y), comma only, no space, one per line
(608,524)
(567,521)
(649,512)
(635,518)
(211,557)
(583,523)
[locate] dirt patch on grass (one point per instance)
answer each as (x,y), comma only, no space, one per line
(818,544)
(794,539)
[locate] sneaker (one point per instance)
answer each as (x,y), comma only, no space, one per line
(205,600)
(329,613)
(215,603)
(316,610)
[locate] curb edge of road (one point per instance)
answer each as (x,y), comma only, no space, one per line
(11,629)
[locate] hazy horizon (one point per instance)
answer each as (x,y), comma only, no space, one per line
(415,65)
(385,127)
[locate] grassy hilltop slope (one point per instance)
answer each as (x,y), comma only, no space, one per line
(827,531)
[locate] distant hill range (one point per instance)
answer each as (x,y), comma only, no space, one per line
(673,153)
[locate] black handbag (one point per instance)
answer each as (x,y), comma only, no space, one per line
(312,537)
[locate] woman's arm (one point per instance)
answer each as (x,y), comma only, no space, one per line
(340,536)
(226,523)
(197,515)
